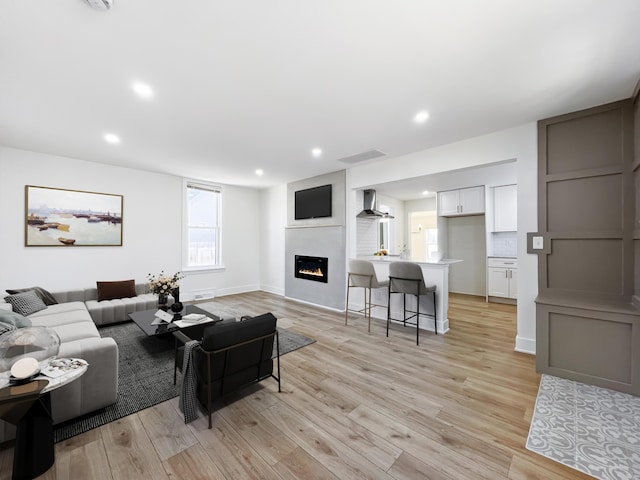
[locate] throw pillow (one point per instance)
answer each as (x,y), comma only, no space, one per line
(6,327)
(26,303)
(13,318)
(112,290)
(44,295)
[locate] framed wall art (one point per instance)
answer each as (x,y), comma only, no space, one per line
(56,217)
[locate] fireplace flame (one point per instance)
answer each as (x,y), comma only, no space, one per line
(317,272)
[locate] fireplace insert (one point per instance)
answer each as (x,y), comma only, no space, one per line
(311,268)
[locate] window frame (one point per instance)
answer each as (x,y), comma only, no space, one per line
(198,184)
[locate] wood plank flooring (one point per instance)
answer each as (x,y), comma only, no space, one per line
(353,405)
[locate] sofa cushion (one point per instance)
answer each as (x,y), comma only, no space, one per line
(117,310)
(14,318)
(61,314)
(26,303)
(44,295)
(112,290)
(76,331)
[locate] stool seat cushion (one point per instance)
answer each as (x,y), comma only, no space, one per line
(406,277)
(363,274)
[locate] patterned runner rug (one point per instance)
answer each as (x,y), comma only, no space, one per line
(145,376)
(591,429)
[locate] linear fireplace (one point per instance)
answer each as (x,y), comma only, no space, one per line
(311,268)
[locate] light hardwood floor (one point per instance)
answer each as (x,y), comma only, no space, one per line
(353,405)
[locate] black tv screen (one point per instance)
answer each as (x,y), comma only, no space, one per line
(313,202)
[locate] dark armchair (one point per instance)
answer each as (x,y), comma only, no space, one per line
(232,355)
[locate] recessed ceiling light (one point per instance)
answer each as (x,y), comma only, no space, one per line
(426,192)
(259,172)
(316,152)
(142,89)
(421,116)
(111,138)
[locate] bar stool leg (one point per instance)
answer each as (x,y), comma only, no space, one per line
(418,320)
(346,310)
(388,307)
(435,313)
(369,311)
(404,309)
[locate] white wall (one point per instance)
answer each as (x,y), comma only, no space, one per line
(518,143)
(241,235)
(273,220)
(152,228)
(467,241)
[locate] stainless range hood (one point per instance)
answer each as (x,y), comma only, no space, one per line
(370,208)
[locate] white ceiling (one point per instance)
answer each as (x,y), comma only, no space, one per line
(247,84)
(493,174)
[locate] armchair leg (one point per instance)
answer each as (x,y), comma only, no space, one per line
(278,358)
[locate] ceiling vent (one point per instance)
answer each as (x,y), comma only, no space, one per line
(361,157)
(100,4)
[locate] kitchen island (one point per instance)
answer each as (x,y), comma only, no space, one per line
(434,272)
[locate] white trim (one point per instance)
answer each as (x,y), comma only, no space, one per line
(525,345)
(234,290)
(324,307)
(213,187)
(203,270)
(275,290)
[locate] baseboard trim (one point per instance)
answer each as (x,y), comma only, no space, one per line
(525,345)
(275,290)
(234,290)
(324,307)
(506,301)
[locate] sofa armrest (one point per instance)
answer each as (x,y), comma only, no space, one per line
(97,388)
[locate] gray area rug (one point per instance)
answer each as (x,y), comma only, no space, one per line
(145,376)
(591,429)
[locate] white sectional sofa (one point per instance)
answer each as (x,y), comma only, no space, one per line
(75,319)
(110,311)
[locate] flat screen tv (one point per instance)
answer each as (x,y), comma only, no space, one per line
(313,202)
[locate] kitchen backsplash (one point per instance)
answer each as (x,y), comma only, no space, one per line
(367,235)
(505,244)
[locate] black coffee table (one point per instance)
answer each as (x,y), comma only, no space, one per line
(144,319)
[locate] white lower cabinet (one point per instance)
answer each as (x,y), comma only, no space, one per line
(502,278)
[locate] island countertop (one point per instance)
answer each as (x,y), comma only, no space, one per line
(434,273)
(397,258)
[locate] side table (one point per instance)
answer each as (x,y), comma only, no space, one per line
(28,406)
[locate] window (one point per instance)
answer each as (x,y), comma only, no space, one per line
(431,236)
(424,234)
(202,227)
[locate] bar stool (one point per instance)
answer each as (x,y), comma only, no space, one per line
(362,274)
(406,278)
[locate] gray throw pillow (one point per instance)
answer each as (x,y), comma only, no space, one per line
(44,295)
(25,303)
(6,327)
(14,318)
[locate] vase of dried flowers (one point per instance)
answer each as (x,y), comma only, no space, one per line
(163,285)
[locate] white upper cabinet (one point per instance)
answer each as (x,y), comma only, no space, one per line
(465,201)
(505,208)
(448,203)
